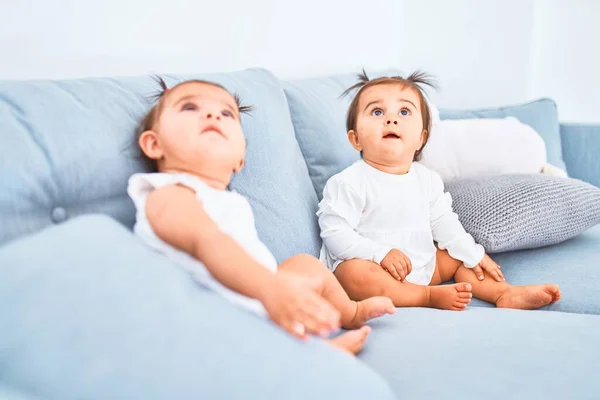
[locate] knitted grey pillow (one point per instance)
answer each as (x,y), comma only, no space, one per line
(514,212)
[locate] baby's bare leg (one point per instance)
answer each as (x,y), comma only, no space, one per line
(354,314)
(362,279)
(502,294)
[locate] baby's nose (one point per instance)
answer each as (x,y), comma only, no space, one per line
(211,115)
(390,122)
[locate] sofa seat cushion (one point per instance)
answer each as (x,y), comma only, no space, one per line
(574,265)
(486,354)
(89,312)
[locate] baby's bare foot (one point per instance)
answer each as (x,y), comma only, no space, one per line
(450,297)
(352,341)
(529,297)
(373,307)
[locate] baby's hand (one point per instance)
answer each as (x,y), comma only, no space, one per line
(490,266)
(397,264)
(293,303)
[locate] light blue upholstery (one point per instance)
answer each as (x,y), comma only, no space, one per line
(574,265)
(319,117)
(68,149)
(88,311)
(8,393)
(541,115)
(487,354)
(581,143)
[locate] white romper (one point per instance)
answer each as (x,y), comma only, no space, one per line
(229,210)
(366,212)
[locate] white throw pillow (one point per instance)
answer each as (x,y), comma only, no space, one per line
(477,148)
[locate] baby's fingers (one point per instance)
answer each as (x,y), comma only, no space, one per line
(401,268)
(391,268)
(328,319)
(313,324)
(408,265)
(295,328)
(478,272)
(497,274)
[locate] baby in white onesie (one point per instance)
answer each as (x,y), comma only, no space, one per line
(388,226)
(193,138)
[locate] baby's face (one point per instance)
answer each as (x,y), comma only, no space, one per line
(199,128)
(389,125)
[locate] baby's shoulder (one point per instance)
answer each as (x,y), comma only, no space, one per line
(429,180)
(422,171)
(350,178)
(426,175)
(140,185)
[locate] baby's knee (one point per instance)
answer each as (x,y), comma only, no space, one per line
(359,273)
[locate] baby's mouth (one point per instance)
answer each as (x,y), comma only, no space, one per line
(391,135)
(212,128)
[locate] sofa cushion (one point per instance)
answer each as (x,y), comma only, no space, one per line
(486,354)
(483,147)
(580,144)
(572,264)
(541,115)
(68,149)
(8,393)
(93,313)
(514,212)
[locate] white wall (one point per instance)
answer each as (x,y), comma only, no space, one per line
(566,57)
(483,53)
(479,50)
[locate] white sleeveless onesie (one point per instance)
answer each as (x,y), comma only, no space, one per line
(229,210)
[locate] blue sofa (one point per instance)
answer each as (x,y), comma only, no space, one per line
(88,311)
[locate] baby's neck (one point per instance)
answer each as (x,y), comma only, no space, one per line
(218,184)
(395,169)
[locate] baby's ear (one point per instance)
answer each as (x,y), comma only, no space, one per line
(239,167)
(150,146)
(424,138)
(353,138)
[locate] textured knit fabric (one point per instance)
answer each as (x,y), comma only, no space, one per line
(366,212)
(230,211)
(513,212)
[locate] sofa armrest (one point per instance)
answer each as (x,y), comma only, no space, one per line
(581,145)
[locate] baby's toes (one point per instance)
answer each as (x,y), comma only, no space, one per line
(556,295)
(463,287)
(465,295)
(459,306)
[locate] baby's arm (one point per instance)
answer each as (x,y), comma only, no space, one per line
(178,218)
(339,215)
(447,230)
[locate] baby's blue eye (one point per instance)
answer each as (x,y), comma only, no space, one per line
(378,112)
(189,107)
(405,112)
(227,113)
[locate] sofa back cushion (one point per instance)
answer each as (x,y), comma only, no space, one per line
(68,149)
